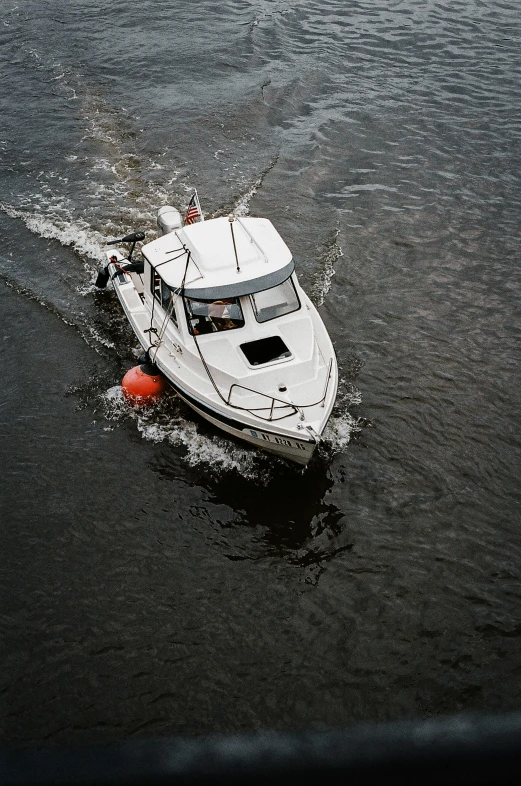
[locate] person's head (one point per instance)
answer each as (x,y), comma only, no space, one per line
(224,324)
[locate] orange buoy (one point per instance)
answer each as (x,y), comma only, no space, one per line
(143,384)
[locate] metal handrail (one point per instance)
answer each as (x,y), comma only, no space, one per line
(255,410)
(323,402)
(253,239)
(295,408)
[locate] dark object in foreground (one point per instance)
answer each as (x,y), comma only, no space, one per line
(457,750)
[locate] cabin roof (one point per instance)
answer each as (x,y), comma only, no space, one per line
(264,258)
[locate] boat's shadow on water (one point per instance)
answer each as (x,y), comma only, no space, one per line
(254,506)
(276,511)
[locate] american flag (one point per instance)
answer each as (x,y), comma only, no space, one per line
(194,210)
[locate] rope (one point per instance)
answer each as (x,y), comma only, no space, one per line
(162,329)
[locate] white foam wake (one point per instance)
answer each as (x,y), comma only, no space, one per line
(77,234)
(342,424)
(213,451)
(242,204)
(322,283)
(340,429)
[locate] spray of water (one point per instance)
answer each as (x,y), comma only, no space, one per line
(87,243)
(165,422)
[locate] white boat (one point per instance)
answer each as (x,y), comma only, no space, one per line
(218,307)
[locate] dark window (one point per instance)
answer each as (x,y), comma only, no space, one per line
(164,295)
(209,316)
(265,350)
(156,284)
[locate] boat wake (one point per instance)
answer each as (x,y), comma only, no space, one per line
(166,422)
(242,203)
(105,175)
(78,235)
(343,425)
(332,251)
(119,184)
(340,430)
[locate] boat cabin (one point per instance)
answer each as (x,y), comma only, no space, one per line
(224,274)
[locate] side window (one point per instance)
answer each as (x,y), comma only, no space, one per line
(156,284)
(164,295)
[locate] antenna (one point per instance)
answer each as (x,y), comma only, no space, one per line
(231,219)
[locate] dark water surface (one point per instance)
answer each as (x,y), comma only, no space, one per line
(158,578)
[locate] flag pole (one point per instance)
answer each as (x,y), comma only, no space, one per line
(198,204)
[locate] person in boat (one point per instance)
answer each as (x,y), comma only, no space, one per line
(220,315)
(214,315)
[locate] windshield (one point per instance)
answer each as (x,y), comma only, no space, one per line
(275,302)
(209,316)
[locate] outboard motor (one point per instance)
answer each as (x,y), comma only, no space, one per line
(103,278)
(137,267)
(168,220)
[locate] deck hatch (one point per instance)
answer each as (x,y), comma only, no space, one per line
(265,350)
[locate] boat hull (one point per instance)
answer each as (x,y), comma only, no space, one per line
(298,451)
(293,444)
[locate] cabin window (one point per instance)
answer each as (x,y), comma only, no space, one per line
(165,295)
(156,285)
(210,316)
(275,302)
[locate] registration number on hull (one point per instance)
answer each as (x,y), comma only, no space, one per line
(273,440)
